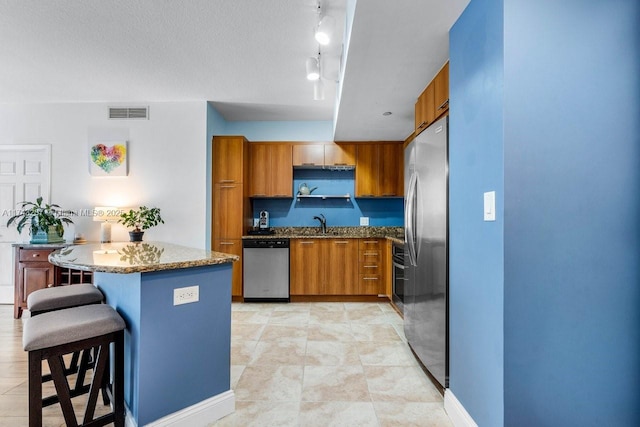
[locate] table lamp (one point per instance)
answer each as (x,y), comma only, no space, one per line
(104,214)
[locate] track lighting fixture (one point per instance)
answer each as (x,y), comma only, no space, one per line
(313,68)
(318,90)
(324,28)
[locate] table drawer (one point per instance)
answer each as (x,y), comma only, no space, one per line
(40,255)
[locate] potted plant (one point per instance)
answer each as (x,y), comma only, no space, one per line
(46,222)
(140,219)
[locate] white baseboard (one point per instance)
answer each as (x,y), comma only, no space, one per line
(200,414)
(456,412)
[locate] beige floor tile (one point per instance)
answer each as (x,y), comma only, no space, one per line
(377,333)
(370,316)
(386,353)
(328,306)
(293,306)
(293,317)
(242,351)
(331,353)
(337,414)
(411,414)
(334,383)
(322,317)
(276,332)
(262,414)
(246,331)
(330,332)
(235,373)
(254,306)
(400,384)
(260,317)
(286,351)
(279,383)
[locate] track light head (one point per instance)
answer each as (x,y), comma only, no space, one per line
(313,68)
(324,30)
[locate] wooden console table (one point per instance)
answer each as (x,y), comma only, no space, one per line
(33,271)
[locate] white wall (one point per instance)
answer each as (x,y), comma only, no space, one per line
(167,163)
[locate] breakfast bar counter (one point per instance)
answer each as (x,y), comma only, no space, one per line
(176,302)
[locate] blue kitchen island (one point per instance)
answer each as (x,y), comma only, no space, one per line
(177,350)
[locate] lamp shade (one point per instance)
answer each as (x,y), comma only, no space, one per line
(106,213)
(313,68)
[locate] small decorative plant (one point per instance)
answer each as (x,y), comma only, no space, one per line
(44,221)
(140,220)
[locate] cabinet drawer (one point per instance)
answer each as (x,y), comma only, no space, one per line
(369,268)
(369,245)
(34,255)
(371,256)
(370,284)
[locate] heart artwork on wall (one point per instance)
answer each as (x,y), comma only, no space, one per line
(108,159)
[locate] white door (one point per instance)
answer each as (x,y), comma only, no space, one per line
(25,175)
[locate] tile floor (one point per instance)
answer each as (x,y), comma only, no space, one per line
(326,364)
(298,364)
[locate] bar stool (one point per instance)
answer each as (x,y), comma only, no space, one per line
(49,336)
(58,298)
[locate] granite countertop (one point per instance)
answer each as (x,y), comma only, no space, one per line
(125,257)
(391,233)
(27,245)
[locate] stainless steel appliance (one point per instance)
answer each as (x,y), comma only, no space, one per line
(426,260)
(398,276)
(265,269)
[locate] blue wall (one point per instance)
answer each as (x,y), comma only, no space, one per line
(339,212)
(572,227)
(565,88)
(476,278)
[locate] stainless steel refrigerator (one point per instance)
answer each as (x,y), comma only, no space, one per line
(426,249)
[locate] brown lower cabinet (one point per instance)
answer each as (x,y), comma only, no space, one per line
(335,267)
(234,247)
(33,272)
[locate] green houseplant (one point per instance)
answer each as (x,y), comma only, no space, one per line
(46,222)
(140,219)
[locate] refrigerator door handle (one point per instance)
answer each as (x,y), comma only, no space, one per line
(411,220)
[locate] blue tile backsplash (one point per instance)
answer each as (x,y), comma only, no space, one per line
(339,212)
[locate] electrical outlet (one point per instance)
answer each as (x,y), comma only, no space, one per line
(364,220)
(186,295)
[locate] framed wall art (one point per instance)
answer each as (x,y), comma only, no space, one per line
(108,158)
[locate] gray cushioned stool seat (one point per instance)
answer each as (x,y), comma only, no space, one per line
(59,297)
(69,325)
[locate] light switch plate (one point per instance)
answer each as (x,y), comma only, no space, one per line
(490,206)
(364,220)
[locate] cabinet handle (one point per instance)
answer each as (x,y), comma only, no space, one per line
(424,122)
(259,195)
(340,164)
(366,195)
(35,255)
(226,181)
(388,194)
(341,242)
(308,164)
(369,278)
(227,243)
(444,104)
(371,242)
(281,195)
(227,186)
(370,266)
(370,254)
(306,243)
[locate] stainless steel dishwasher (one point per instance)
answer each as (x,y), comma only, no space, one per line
(265,269)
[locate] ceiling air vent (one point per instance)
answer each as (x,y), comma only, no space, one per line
(124,113)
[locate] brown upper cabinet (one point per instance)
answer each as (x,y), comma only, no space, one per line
(271,170)
(323,155)
(379,170)
(433,102)
(228,152)
(441,91)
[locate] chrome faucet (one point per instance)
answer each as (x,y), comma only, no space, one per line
(323,223)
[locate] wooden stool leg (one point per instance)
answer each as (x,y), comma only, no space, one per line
(56,364)
(35,389)
(99,371)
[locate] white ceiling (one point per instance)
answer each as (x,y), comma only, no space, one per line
(245,56)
